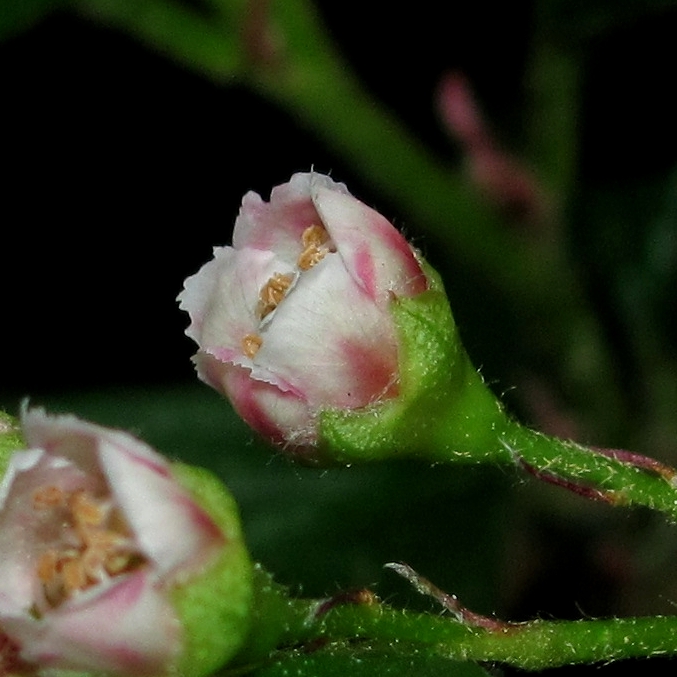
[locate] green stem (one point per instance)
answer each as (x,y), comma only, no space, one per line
(488,435)
(285,623)
(535,645)
(445,413)
(174,29)
(554,88)
(476,429)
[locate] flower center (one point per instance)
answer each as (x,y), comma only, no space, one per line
(316,245)
(96,543)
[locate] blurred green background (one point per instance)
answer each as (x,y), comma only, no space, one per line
(127,152)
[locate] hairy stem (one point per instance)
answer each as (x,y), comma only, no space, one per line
(287,623)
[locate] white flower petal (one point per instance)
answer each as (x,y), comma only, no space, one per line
(277,225)
(130,629)
(330,341)
(373,251)
(223,298)
(171,530)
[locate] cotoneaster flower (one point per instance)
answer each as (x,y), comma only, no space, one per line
(99,547)
(293,319)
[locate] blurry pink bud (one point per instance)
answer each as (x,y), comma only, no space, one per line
(294,318)
(460,112)
(501,177)
(94,533)
(262,44)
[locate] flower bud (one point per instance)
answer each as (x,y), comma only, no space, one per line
(115,561)
(294,319)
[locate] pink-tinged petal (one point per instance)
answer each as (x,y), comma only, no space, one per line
(20,462)
(171,530)
(10,658)
(317,332)
(222,296)
(373,251)
(70,438)
(278,416)
(278,225)
(128,629)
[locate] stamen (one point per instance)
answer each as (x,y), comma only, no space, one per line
(48,497)
(96,544)
(73,575)
(314,235)
(85,510)
(272,293)
(47,563)
(313,240)
(104,539)
(115,564)
(251,344)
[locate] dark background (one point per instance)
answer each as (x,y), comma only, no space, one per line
(122,169)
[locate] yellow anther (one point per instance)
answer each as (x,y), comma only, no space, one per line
(96,544)
(313,239)
(73,575)
(310,257)
(251,344)
(272,293)
(47,564)
(85,510)
(104,539)
(48,497)
(117,563)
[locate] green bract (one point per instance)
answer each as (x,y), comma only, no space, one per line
(215,607)
(443,408)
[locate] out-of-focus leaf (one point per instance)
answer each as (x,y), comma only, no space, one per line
(367,661)
(18,15)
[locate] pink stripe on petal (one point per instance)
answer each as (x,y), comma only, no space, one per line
(276,415)
(303,344)
(364,269)
(127,629)
(358,232)
(374,372)
(155,507)
(129,445)
(277,225)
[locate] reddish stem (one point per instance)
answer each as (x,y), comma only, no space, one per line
(449,602)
